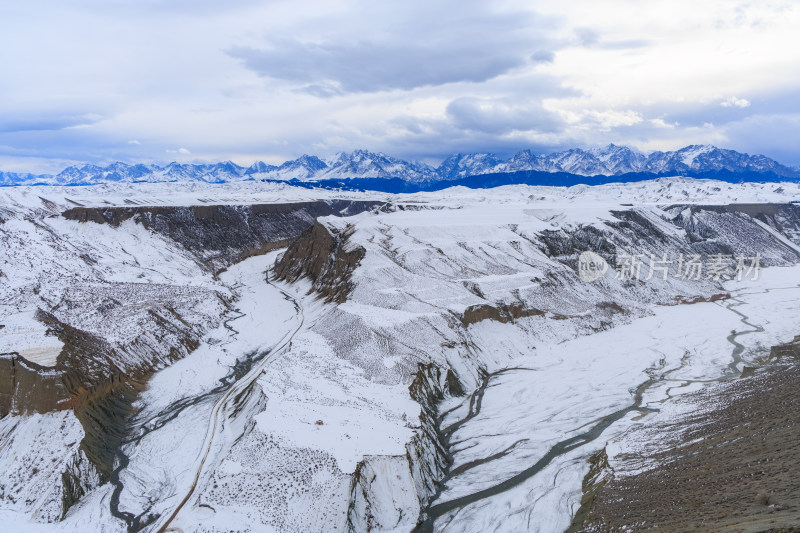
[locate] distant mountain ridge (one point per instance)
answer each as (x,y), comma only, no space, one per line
(611,160)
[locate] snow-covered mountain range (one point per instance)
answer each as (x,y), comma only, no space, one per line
(611,160)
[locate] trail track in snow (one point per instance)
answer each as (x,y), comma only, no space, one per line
(238,387)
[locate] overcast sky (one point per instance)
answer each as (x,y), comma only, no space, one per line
(161,80)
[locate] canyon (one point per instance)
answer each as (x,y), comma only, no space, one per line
(262,357)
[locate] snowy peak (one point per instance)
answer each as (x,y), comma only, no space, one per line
(14,178)
(619,159)
(366,164)
(462,165)
(219,172)
(710,158)
(259,167)
(303,168)
(575,161)
(610,160)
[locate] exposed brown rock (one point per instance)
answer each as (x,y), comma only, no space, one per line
(26,387)
(790,351)
(501,313)
(97,389)
(738,470)
(326,257)
(698,299)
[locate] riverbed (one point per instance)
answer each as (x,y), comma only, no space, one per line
(519,462)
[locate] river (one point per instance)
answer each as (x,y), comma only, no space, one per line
(520,444)
(187,415)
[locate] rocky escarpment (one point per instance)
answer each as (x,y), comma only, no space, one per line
(99,381)
(26,387)
(225,234)
(742,229)
(101,388)
(737,229)
(786,352)
(324,255)
(388,492)
(427,451)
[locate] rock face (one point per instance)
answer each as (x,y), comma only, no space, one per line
(91,378)
(26,387)
(789,351)
(224,234)
(323,255)
(388,492)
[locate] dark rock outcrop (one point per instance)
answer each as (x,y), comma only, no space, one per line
(682,300)
(427,452)
(789,351)
(501,313)
(731,229)
(100,388)
(565,245)
(326,257)
(225,234)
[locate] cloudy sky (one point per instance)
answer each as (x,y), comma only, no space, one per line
(161,80)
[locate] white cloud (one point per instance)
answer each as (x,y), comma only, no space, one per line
(660,123)
(732,101)
(181,151)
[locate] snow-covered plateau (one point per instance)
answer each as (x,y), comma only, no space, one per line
(259,357)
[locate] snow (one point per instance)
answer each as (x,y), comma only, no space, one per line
(661,191)
(311,385)
(28,337)
(35,450)
(262,317)
(277,450)
(776,288)
(689,154)
(163,463)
